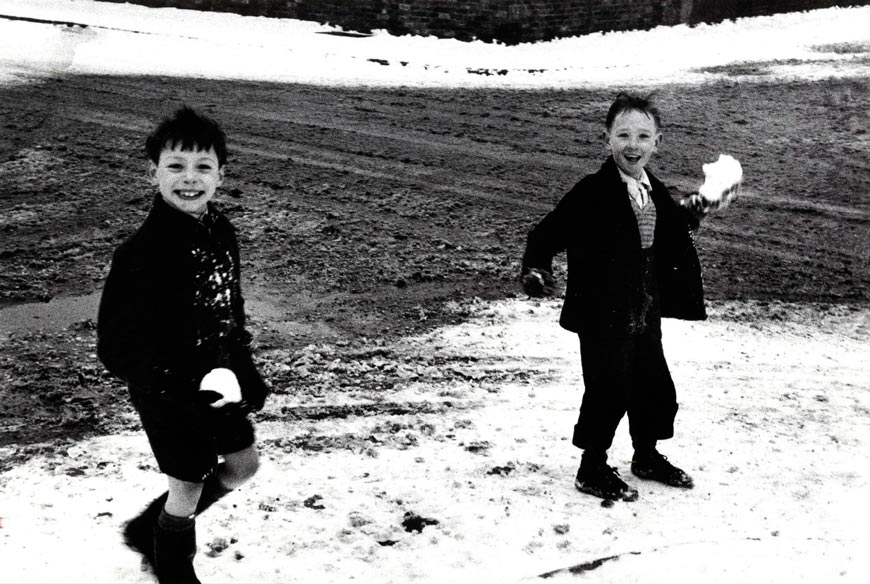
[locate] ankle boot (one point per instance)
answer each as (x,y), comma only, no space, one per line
(173,555)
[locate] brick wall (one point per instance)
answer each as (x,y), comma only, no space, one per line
(509,21)
(718,10)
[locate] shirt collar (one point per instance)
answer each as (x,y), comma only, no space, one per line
(644,179)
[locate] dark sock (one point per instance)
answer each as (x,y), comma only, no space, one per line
(593,457)
(174,549)
(174,523)
(643,448)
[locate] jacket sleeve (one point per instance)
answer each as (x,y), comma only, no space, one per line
(125,337)
(254,389)
(692,216)
(550,236)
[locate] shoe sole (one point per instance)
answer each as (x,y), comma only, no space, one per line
(629,495)
(652,477)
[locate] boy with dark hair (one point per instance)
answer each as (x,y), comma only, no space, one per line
(172,325)
(631,261)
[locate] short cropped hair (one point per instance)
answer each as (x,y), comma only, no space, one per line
(190,129)
(628,102)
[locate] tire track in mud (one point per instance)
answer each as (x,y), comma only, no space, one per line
(400,173)
(387,169)
(414,138)
(347,162)
(429,142)
(734,241)
(471,170)
(489,134)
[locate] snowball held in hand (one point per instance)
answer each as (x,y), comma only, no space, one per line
(721,181)
(221,386)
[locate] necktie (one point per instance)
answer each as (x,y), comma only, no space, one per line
(637,190)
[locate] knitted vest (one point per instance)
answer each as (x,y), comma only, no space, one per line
(646,222)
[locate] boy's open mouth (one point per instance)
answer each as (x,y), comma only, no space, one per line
(189,194)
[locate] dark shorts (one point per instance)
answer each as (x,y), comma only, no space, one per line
(187,438)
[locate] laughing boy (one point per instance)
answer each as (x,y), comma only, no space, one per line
(172,325)
(631,261)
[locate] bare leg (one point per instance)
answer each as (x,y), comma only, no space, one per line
(183,497)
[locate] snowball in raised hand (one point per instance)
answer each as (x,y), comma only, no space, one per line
(722,181)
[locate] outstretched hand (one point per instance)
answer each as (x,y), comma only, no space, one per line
(538,283)
(700,206)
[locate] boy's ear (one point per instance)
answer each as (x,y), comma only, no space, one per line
(221,175)
(658,141)
(605,137)
(152,173)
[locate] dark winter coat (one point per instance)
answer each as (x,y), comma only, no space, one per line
(595,223)
(150,331)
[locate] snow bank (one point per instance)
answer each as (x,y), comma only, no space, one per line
(136,40)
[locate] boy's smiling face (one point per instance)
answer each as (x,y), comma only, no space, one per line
(632,139)
(187,179)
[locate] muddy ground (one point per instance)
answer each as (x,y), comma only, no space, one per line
(370,214)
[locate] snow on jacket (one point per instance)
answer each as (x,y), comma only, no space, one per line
(154,329)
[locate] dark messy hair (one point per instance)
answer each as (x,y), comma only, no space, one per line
(627,102)
(190,129)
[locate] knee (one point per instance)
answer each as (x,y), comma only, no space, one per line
(249,468)
(240,469)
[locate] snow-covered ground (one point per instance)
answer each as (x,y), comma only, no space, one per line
(772,425)
(130,39)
